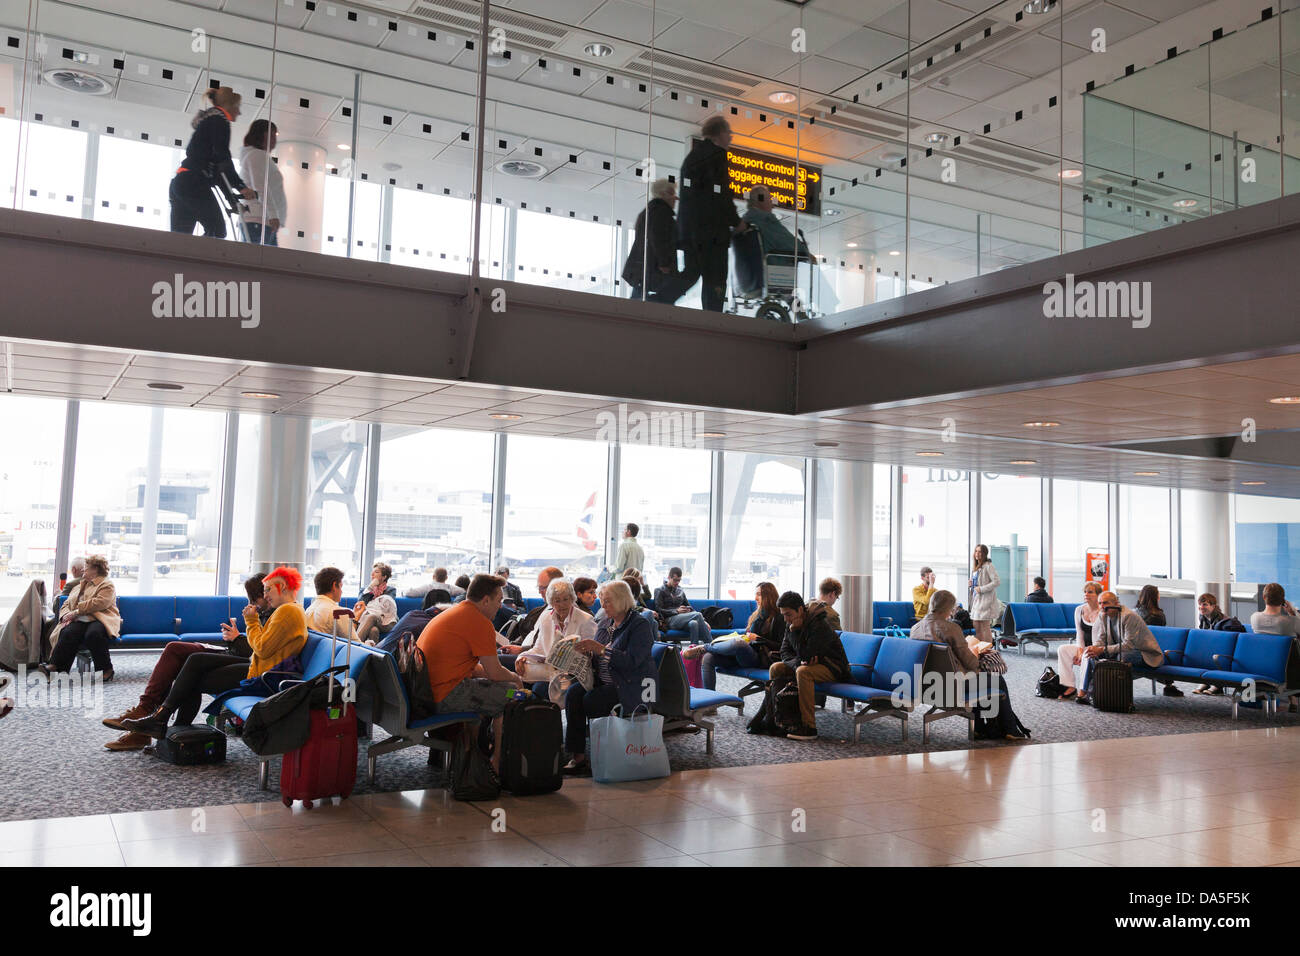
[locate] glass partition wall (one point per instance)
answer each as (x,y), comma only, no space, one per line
(910,144)
(420,498)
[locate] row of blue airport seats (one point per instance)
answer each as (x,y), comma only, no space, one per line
(1267,664)
(1039,623)
(155,620)
(885,677)
(381,699)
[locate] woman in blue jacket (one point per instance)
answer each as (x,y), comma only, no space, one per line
(621,665)
(207,163)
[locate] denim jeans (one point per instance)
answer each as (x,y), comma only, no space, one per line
(253,233)
(692,622)
(728,652)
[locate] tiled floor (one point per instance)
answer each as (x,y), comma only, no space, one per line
(1225,798)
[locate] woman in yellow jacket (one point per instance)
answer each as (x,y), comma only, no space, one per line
(275,645)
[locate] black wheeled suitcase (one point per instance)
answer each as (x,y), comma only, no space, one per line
(191,744)
(1112,687)
(532,746)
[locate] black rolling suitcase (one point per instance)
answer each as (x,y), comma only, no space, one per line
(532,745)
(1112,687)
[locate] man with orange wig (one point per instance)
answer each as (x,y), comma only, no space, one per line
(275,645)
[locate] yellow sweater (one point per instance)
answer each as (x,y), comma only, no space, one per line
(921,600)
(283,635)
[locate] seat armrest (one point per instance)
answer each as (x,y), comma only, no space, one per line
(1169,656)
(1219,658)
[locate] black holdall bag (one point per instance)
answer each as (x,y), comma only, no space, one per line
(1112,687)
(718,618)
(191,744)
(1049,685)
(789,717)
(471,776)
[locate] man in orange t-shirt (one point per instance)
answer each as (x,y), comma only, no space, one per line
(460,651)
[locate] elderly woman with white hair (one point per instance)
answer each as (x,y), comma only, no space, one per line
(623,671)
(89,618)
(561,619)
(651,267)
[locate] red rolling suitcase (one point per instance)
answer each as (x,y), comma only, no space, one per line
(327,764)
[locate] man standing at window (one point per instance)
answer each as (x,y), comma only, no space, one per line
(630,554)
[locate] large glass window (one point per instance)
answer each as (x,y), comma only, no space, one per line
(564,253)
(1080,523)
(762,523)
(1143,532)
(31,430)
(147,495)
(1268,541)
(435,503)
(1011,524)
(132,180)
(881,526)
(336,509)
(665,492)
(554,507)
(936,529)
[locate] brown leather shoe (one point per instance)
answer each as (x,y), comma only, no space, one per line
(139,710)
(129,742)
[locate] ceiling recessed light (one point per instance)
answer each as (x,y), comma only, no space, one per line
(936,139)
(1024,461)
(1254,484)
(1285,400)
(391,166)
(1184,203)
(831,212)
(1035,7)
(260,394)
(851,245)
(165,386)
(1070,173)
(1041,424)
(892,156)
(713,435)
(345,147)
(498,60)
(782,97)
(596,48)
(1146,474)
(505,416)
(827,444)
(929,454)
(894,252)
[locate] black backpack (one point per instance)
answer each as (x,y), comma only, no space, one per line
(1230,624)
(963,620)
(415,676)
(780,707)
(718,618)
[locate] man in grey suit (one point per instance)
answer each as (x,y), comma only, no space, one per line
(1119,635)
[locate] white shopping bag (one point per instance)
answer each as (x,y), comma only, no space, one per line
(628,748)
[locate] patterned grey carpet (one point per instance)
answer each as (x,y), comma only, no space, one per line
(52,761)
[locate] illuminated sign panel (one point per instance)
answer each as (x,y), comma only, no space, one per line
(792,185)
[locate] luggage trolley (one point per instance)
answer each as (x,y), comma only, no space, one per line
(769,282)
